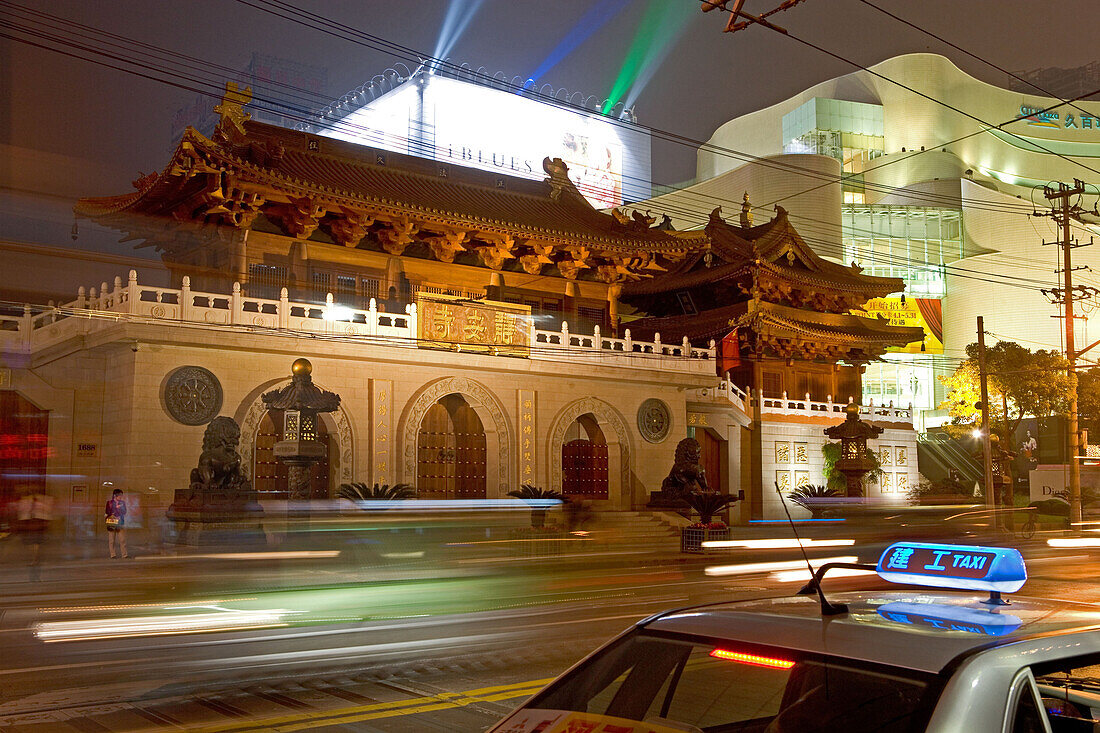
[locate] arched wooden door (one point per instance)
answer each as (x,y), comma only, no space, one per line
(584,460)
(435,455)
(470,455)
(269,474)
(451,453)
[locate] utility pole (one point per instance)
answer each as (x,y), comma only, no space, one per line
(1063,213)
(987,453)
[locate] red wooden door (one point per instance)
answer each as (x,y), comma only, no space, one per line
(24,446)
(711,459)
(469,454)
(584,469)
(436,455)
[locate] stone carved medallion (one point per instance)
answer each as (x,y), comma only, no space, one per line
(192,395)
(654,420)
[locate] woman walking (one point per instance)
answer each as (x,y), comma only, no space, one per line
(115,518)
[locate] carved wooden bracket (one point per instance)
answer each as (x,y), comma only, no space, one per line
(397,235)
(349,228)
(498,250)
(445,246)
(533,263)
(299,218)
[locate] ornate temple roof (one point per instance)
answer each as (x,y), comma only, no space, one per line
(769,256)
(784,332)
(365,197)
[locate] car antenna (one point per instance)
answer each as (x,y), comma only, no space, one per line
(827,608)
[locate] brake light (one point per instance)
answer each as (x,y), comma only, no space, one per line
(752,659)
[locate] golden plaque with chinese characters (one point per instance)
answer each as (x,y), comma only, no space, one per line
(478,326)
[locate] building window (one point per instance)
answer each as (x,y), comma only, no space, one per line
(370,288)
(588,318)
(345,290)
(266,281)
(772,386)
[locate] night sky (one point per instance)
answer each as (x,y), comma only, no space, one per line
(104,126)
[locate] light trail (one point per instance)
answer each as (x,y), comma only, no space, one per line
(768,567)
(777,544)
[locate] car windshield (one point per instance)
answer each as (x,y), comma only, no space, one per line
(698,686)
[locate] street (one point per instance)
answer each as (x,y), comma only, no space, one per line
(447,671)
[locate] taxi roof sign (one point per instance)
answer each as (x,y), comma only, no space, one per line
(966,567)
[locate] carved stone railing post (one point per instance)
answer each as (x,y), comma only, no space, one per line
(411,310)
(657,343)
(372,318)
(329,314)
(565,334)
(629,342)
(26,326)
(185,299)
(236,308)
(596,337)
(284,308)
(685,347)
(93,301)
(81,298)
(133,295)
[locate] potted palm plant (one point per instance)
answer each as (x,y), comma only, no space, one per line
(706,504)
(357,491)
(539,538)
(815,499)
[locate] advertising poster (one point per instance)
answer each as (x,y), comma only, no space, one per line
(923,312)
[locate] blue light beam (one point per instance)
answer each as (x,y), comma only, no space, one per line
(458,17)
(590,22)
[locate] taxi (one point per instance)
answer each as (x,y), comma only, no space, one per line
(957,658)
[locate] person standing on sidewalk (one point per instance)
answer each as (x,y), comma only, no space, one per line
(33,513)
(114,516)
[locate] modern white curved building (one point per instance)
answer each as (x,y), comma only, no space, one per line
(941,176)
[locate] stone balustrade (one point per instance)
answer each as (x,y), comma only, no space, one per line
(869,412)
(109,304)
(727,391)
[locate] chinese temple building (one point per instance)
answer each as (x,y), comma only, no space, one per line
(785,320)
(482,330)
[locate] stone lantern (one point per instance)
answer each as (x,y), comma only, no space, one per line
(853,434)
(301,401)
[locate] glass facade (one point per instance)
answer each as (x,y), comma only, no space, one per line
(851,132)
(910,242)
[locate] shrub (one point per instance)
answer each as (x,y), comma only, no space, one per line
(358,491)
(533,493)
(707,504)
(815,499)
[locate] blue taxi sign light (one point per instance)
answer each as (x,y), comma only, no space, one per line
(942,617)
(966,567)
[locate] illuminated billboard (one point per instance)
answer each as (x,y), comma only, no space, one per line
(491,129)
(923,312)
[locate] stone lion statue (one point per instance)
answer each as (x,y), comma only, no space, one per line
(219,468)
(687,472)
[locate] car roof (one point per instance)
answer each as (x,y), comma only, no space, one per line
(916,630)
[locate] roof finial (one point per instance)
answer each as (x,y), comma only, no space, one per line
(231,108)
(746,212)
